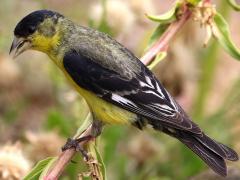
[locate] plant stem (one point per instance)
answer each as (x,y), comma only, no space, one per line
(64,158)
(161,45)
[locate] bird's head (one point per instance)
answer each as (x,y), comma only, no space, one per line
(38,31)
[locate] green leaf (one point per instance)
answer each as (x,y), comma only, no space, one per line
(47,167)
(157,34)
(222,33)
(234,4)
(167,17)
(160,56)
(39,168)
(154,37)
(85,124)
(100,160)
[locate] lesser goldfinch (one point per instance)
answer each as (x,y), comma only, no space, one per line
(117,86)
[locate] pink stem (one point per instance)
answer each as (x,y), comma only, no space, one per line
(64,158)
(164,41)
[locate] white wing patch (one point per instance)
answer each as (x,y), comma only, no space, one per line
(143,84)
(148,80)
(157,91)
(164,109)
(152,92)
(130,104)
(172,102)
(122,100)
(149,87)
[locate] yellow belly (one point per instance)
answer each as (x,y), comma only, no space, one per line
(103,110)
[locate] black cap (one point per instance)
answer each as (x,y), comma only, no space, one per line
(29,24)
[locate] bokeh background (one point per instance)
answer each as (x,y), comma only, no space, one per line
(39,110)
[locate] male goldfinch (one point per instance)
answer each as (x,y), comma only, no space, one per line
(117,86)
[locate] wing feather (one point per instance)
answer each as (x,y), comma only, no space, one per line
(142,94)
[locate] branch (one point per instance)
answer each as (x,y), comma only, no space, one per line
(164,41)
(161,45)
(64,158)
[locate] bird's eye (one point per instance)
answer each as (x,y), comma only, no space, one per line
(21,44)
(31,29)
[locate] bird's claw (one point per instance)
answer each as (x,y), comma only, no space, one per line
(71,143)
(74,143)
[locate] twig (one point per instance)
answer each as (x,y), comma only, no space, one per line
(160,45)
(64,158)
(163,43)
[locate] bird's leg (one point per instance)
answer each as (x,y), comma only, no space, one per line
(97,127)
(75,143)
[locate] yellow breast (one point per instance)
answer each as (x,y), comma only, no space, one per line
(103,110)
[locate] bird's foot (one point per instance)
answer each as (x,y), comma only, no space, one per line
(74,143)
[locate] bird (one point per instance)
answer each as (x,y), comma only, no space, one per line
(117,86)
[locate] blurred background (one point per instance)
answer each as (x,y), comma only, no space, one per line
(39,110)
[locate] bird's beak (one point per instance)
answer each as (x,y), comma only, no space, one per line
(19,45)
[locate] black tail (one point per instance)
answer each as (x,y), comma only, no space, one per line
(211,152)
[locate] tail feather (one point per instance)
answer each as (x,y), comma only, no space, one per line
(231,154)
(213,160)
(220,149)
(211,152)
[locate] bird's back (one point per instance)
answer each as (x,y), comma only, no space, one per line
(104,50)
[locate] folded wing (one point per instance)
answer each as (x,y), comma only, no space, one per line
(142,93)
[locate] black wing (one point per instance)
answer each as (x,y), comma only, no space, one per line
(142,94)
